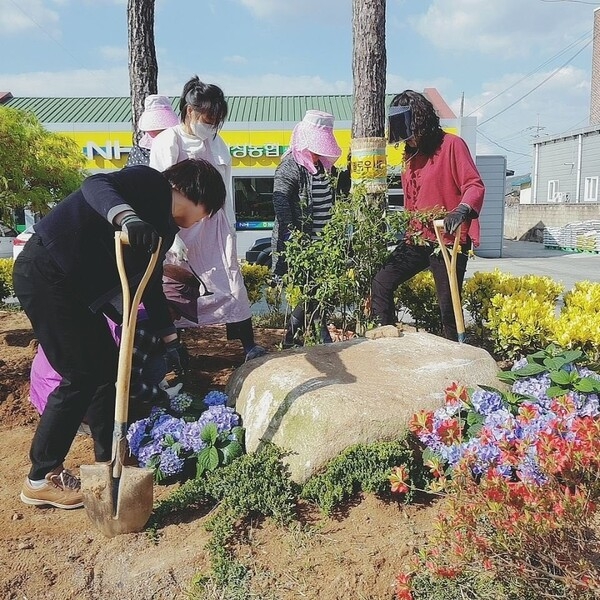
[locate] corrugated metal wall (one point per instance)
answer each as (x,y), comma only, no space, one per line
(493,172)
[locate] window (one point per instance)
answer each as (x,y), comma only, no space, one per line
(253,198)
(590,193)
(553,190)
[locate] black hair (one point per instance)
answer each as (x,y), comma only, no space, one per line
(206,98)
(425,123)
(199,182)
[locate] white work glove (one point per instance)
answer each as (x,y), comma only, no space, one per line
(179,249)
(171,391)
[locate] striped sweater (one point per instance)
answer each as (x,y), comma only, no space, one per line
(301,201)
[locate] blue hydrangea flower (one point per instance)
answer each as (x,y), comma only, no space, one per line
(215,398)
(167,425)
(519,364)
(148,451)
(591,406)
(170,464)
(529,470)
(181,402)
(223,417)
(485,402)
(190,437)
(535,387)
(135,435)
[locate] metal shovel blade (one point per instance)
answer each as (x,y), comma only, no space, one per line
(117,505)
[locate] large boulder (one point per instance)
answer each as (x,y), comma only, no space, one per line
(315,402)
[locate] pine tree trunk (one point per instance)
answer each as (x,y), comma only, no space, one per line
(369,63)
(143,67)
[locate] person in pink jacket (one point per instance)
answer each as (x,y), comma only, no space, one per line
(438,172)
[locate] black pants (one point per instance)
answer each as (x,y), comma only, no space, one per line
(405,262)
(243,331)
(79,347)
(299,322)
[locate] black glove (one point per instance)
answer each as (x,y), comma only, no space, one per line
(177,357)
(141,235)
(454,219)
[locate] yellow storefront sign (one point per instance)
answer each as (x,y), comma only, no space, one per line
(249,149)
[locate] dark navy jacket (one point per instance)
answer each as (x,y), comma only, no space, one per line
(79,236)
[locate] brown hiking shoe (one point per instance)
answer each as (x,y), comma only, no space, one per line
(61,490)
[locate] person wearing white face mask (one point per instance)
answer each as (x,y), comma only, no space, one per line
(209,247)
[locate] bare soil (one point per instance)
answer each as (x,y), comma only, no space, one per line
(47,553)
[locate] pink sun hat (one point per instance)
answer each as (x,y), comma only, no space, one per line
(315,134)
(158,114)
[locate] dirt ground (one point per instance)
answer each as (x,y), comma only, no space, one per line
(47,553)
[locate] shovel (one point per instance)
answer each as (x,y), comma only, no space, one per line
(450,261)
(118,499)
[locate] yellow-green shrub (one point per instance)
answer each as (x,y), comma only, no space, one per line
(255,279)
(578,326)
(6,282)
(419,297)
(520,323)
(544,287)
(478,292)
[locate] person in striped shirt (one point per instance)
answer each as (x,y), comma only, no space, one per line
(302,198)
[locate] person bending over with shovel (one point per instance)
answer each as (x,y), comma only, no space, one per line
(66,280)
(438,172)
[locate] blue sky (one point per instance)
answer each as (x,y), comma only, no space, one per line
(524,66)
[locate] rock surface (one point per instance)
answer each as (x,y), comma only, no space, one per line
(315,402)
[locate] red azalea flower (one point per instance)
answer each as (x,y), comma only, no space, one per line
(455,394)
(398,479)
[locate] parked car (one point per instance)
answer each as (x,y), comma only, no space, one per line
(260,252)
(20,241)
(7,235)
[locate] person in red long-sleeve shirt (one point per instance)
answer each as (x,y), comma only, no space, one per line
(438,172)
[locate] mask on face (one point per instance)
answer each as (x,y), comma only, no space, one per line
(399,124)
(203,131)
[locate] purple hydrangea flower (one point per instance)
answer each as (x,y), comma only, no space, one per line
(529,470)
(215,398)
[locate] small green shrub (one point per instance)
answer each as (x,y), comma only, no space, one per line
(425,586)
(363,467)
(6,281)
(257,483)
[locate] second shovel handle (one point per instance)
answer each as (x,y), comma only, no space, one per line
(450,261)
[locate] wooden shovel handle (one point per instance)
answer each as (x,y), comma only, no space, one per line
(450,261)
(130,312)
